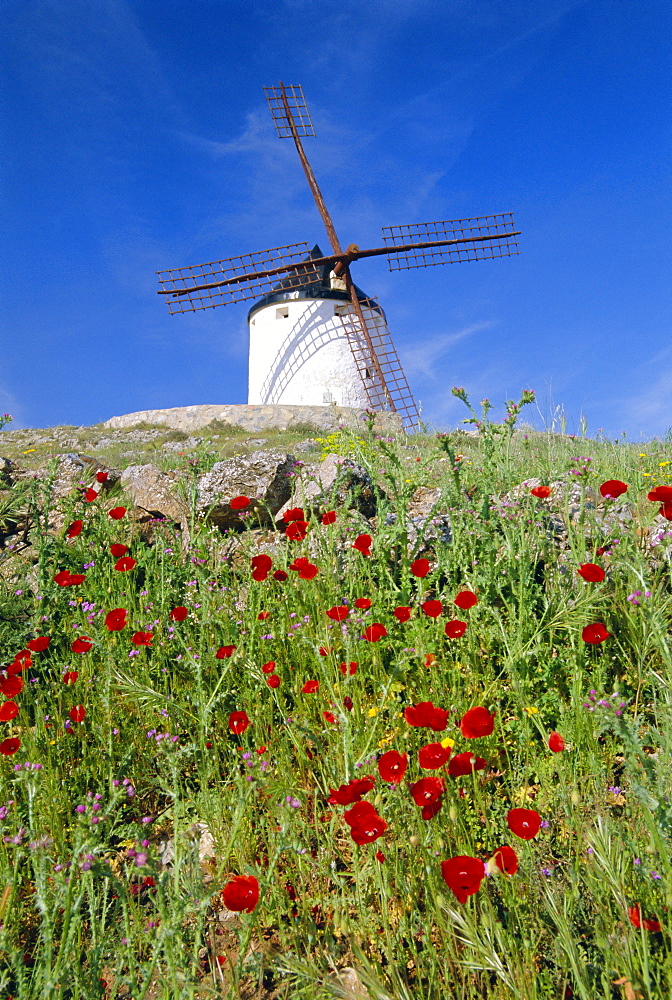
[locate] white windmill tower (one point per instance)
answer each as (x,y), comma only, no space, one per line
(315,338)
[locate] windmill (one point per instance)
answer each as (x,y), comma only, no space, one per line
(314,330)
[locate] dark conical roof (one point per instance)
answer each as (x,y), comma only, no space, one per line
(284,291)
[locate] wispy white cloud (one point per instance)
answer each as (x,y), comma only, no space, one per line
(422,361)
(650,408)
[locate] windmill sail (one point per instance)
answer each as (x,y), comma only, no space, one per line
(236,279)
(481,238)
(378,363)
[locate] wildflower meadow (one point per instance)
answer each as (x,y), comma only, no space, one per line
(347,756)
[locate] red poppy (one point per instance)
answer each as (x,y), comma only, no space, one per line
(330,717)
(268,668)
(115,620)
(178,614)
(260,566)
(8,711)
(402,613)
(303,567)
(465,763)
(353,791)
(363,603)
(556,743)
(81,645)
(365,823)
(77,713)
(263,615)
(506,860)
(310,687)
(428,811)
(348,668)
(430,660)
(392,766)
(455,628)
(10,746)
(238,722)
(11,686)
(273,681)
(477,722)
(90,495)
(465,599)
(296,530)
(525,823)
(70,677)
(363,544)
(125,563)
(329,517)
(433,755)
(595,633)
(665,510)
(241,894)
(295,514)
(74,529)
(661,494)
(142,638)
(375,632)
(338,613)
(426,715)
(101,476)
(65,578)
(420,568)
(541,491)
(432,608)
(224,652)
(39,643)
(325,650)
(463,875)
(635,915)
(116,513)
(280,575)
(613,488)
(348,703)
(239,503)
(591,572)
(380,856)
(427,790)
(118,549)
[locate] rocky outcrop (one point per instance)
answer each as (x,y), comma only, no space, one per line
(338,483)
(264,477)
(256,418)
(154,492)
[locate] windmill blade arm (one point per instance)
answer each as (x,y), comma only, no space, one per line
(236,279)
(445,242)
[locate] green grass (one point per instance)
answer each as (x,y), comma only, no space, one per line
(155,762)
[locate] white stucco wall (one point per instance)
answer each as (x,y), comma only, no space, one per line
(303,358)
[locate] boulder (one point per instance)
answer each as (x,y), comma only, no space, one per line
(337,483)
(426,524)
(154,491)
(265,477)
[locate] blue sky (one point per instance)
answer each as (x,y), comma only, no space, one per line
(136,137)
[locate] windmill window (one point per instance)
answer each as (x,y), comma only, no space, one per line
(340,310)
(368,373)
(282,313)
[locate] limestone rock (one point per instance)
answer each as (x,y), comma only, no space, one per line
(7,467)
(339,483)
(345,983)
(564,508)
(154,491)
(263,476)
(426,524)
(255,418)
